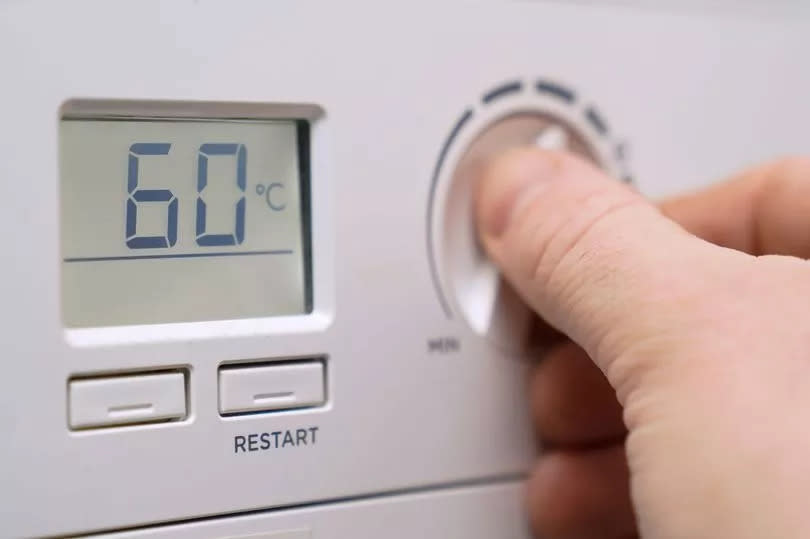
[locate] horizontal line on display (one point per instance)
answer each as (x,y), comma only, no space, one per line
(187,255)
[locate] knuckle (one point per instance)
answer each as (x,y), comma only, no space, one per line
(792,166)
(779,205)
(781,177)
(786,174)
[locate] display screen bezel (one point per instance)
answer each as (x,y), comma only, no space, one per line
(302,116)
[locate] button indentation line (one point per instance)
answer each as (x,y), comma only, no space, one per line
(276,396)
(130,409)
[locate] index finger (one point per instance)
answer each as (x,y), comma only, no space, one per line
(765,210)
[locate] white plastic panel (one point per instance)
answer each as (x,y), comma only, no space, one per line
(486,512)
(725,8)
(292,534)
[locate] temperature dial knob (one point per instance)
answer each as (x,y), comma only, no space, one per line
(468,284)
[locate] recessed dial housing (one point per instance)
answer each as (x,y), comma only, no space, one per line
(468,284)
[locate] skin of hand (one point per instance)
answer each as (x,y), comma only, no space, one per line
(675,402)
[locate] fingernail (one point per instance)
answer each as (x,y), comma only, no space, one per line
(512,180)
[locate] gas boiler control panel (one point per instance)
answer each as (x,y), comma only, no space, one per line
(242,291)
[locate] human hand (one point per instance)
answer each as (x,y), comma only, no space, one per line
(696,422)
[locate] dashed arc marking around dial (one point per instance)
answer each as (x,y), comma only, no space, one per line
(545,87)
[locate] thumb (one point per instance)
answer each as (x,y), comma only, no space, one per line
(592,257)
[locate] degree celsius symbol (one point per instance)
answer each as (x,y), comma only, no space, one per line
(274,200)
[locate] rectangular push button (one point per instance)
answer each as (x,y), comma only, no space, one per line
(121,400)
(271,387)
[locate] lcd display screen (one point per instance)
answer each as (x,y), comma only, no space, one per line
(181,220)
